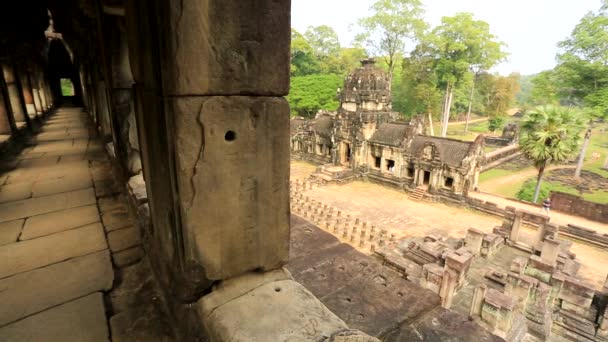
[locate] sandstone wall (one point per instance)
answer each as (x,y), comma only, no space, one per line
(575,205)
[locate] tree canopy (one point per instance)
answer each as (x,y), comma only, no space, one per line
(550,134)
(392,25)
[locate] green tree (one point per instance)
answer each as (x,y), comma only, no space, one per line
(303,61)
(326,48)
(463,45)
(544,89)
(323,40)
(583,62)
(498,92)
(417,92)
(312,93)
(392,25)
(550,134)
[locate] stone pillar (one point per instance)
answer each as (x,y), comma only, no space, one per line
(33,80)
(517,221)
(28,95)
(478,298)
(15,97)
(474,240)
(103,111)
(550,251)
(214,134)
(7,123)
(121,92)
(448,287)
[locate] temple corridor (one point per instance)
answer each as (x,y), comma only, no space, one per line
(66,237)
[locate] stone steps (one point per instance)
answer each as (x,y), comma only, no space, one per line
(418,194)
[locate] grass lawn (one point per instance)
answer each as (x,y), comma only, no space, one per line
(457,131)
(493,174)
(598,143)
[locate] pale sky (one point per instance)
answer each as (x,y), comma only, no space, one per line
(530,28)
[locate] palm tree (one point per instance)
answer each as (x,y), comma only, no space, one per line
(550,134)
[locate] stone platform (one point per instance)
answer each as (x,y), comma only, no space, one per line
(369,296)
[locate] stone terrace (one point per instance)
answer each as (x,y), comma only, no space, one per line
(67,240)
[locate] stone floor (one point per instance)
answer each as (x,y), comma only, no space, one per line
(71,259)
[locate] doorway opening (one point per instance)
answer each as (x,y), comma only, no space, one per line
(427,178)
(67,87)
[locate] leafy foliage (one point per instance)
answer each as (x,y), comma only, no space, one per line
(312,93)
(550,134)
(526,193)
(496,123)
(391,26)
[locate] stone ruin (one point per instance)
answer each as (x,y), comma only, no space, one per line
(519,289)
(364,138)
(510,136)
(540,295)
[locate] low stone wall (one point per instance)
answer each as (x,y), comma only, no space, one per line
(576,205)
(497,141)
(577,232)
(500,156)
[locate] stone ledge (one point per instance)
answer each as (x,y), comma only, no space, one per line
(280,310)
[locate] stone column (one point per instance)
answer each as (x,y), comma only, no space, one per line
(517,221)
(33,75)
(550,251)
(7,123)
(478,298)
(214,134)
(123,107)
(15,97)
(28,95)
(448,287)
(474,240)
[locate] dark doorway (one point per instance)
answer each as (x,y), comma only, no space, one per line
(427,178)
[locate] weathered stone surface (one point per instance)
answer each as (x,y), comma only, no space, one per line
(352,336)
(277,311)
(441,325)
(379,303)
(42,205)
(31,254)
(79,320)
(304,235)
(9,231)
(128,256)
(106,187)
(15,192)
(37,290)
(124,238)
(112,203)
(116,219)
(141,323)
(233,175)
(58,221)
(134,286)
(137,188)
(227,48)
(231,289)
(65,184)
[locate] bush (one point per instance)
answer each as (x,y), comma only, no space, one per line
(526,193)
(496,123)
